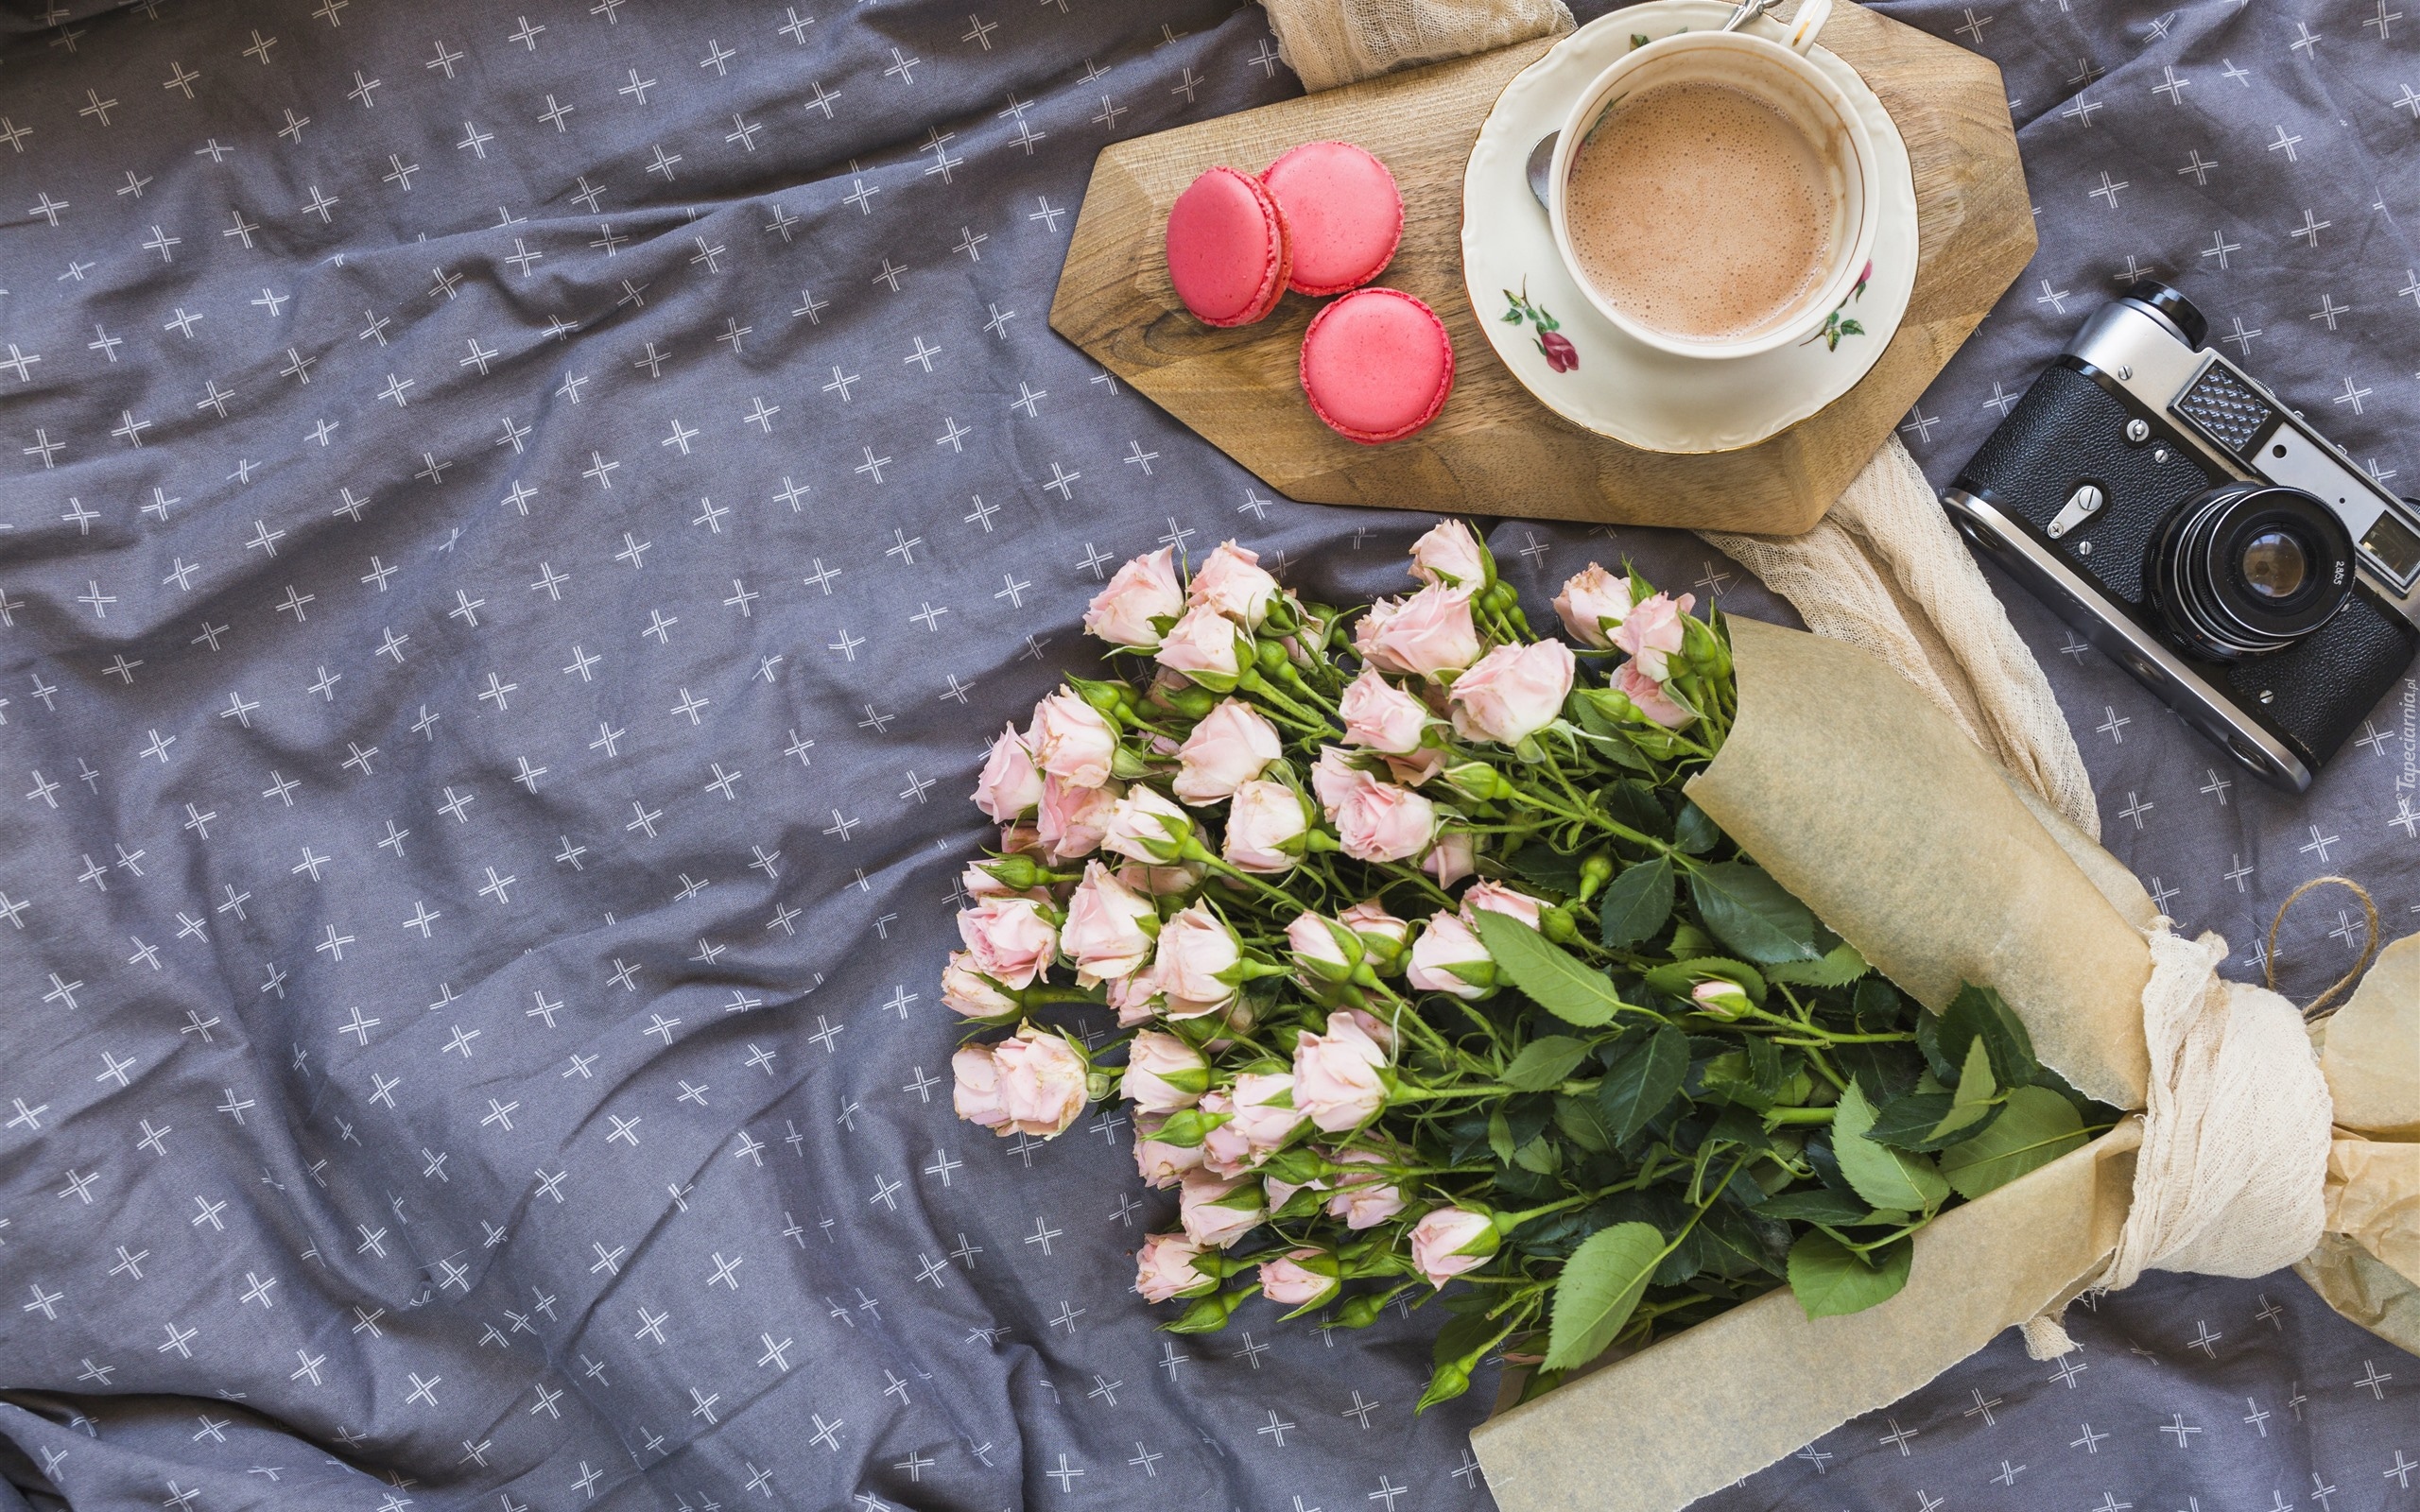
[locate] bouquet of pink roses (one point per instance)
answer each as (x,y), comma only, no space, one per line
(1425,969)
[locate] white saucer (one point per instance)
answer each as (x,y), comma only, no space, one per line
(1621,388)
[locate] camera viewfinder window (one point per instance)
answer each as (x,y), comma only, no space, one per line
(2395,548)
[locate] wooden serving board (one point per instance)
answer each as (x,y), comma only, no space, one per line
(1496,450)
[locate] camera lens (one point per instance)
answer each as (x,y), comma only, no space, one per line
(2248,568)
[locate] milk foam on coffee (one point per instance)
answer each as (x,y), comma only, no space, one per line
(1701,210)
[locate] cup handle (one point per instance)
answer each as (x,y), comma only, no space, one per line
(1800,37)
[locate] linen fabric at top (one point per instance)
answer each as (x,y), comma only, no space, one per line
(518,526)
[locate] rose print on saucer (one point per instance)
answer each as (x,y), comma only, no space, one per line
(1559,353)
(1834,327)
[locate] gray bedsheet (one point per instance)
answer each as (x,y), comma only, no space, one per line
(514,526)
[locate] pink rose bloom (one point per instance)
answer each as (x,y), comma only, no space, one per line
(1311,940)
(1136,999)
(1161,1165)
(1264,818)
(978,882)
(1161,882)
(1515,692)
(1381,716)
(1447,944)
(1196,947)
(1105,935)
(1225,1151)
(1336,1076)
(1284,1281)
(1428,633)
(977,1096)
(1147,827)
(1454,857)
(1651,633)
(1363,1201)
(969,993)
(1220,1211)
(1231,584)
(1144,590)
(1203,646)
(1073,819)
(1264,1111)
(1449,554)
(1281,1192)
(1041,1081)
(1383,935)
(1231,745)
(1010,784)
(1023,840)
(1381,1033)
(1163,1072)
(1496,898)
(1450,1240)
(1592,603)
(1009,939)
(1163,1267)
(1375,820)
(1650,697)
(1070,740)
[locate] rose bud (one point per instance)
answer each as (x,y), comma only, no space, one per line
(1161,882)
(1265,828)
(1322,950)
(1144,591)
(1225,1151)
(968,992)
(1161,1164)
(1070,740)
(979,879)
(1649,697)
(1381,716)
(1010,784)
(1719,999)
(1039,1080)
(1264,1111)
(1448,957)
(1137,999)
(1651,633)
(1109,930)
(1375,820)
(1513,692)
(1203,646)
(1216,1211)
(1196,963)
(1363,1200)
(1164,1073)
(977,1096)
(1147,827)
(1453,857)
(1450,1240)
(1384,937)
(1009,939)
(1496,898)
(1233,744)
(1022,840)
(1336,1076)
(1428,633)
(1230,583)
(1593,603)
(1381,1033)
(1298,1278)
(1164,1269)
(1449,554)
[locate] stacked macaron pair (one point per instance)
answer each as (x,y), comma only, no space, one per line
(1323,220)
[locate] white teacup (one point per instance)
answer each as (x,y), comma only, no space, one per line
(1779,76)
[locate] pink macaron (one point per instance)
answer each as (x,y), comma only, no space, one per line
(1343,212)
(1227,249)
(1376,365)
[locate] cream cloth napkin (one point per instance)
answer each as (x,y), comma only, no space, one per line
(1884,569)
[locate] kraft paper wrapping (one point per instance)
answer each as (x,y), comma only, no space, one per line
(1853,790)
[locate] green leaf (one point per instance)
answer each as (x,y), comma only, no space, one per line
(1499,1136)
(1840,966)
(1635,904)
(1830,1280)
(1977,1013)
(1599,1290)
(1545,1062)
(1814,1205)
(1556,980)
(1695,831)
(1883,1177)
(1926,1120)
(1753,914)
(1548,867)
(1632,804)
(1643,1082)
(1540,1156)
(1582,1120)
(2036,1128)
(1675,978)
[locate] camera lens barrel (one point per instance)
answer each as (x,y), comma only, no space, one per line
(2248,568)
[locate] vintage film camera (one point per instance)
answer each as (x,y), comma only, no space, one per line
(2188,525)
